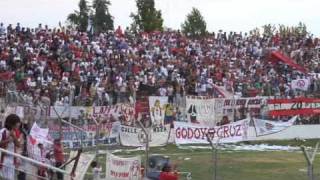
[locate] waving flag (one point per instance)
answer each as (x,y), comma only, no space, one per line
(301,84)
(265,127)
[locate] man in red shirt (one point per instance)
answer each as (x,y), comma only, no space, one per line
(168,174)
(58,156)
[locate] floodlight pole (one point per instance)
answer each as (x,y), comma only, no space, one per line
(214,148)
(310,159)
(147,147)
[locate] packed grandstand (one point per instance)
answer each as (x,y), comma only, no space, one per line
(105,84)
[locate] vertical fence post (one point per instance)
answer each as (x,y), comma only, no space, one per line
(147,146)
(214,148)
(310,159)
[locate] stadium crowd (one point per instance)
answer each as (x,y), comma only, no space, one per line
(107,68)
(102,69)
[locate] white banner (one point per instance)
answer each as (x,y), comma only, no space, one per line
(157,109)
(84,163)
(201,110)
(131,136)
(123,112)
(238,106)
(123,168)
(72,138)
(301,84)
(186,133)
(40,134)
(265,127)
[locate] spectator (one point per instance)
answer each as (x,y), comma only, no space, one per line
(58,156)
(9,142)
(96,170)
(168,173)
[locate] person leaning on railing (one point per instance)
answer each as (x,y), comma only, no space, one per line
(58,156)
(9,142)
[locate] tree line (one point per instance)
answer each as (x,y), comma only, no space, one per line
(97,18)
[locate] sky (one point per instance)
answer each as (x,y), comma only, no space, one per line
(228,15)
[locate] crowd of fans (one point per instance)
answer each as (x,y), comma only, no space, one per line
(107,68)
(66,66)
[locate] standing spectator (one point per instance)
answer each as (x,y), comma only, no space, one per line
(9,142)
(96,170)
(58,156)
(41,157)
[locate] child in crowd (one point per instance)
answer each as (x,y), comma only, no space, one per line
(96,169)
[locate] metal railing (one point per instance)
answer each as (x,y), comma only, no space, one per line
(54,169)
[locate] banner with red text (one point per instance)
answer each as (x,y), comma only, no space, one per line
(118,168)
(186,133)
(122,112)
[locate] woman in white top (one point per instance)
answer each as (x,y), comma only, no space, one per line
(9,142)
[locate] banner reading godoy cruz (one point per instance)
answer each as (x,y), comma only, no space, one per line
(122,168)
(265,127)
(187,133)
(157,109)
(131,136)
(201,110)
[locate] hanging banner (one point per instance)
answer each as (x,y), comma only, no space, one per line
(200,110)
(186,133)
(84,163)
(123,168)
(238,107)
(265,127)
(122,112)
(131,136)
(157,109)
(300,84)
(72,137)
(296,106)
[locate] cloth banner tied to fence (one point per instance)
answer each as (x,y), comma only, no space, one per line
(82,167)
(265,127)
(131,136)
(201,110)
(108,134)
(123,168)
(186,133)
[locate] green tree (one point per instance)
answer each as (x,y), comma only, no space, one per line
(148,18)
(195,24)
(80,18)
(268,30)
(102,19)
